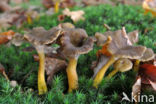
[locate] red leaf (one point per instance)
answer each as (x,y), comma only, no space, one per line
(147,71)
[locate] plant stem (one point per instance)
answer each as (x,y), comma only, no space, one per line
(57,6)
(72,74)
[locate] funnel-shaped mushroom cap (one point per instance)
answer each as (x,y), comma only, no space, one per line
(148,55)
(75,42)
(40,36)
(121,44)
(123,65)
(131,52)
(119,40)
(133,36)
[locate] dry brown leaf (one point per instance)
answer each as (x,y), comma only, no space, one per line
(136,89)
(2,71)
(96,2)
(149,6)
(74,15)
(52,65)
(6,36)
(4,6)
(63,3)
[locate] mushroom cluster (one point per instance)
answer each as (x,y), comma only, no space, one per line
(118,45)
(118,49)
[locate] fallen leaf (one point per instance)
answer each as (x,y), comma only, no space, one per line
(149,6)
(52,65)
(147,72)
(153,84)
(6,36)
(74,15)
(4,6)
(2,71)
(136,88)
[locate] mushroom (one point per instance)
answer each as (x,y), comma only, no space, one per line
(39,37)
(57,4)
(119,47)
(147,56)
(121,65)
(73,43)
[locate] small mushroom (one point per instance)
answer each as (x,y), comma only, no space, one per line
(147,56)
(73,43)
(39,37)
(121,65)
(119,47)
(57,4)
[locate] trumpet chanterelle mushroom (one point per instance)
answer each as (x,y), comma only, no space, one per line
(118,46)
(73,43)
(40,37)
(121,65)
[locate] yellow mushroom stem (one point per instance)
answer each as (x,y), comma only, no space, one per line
(42,87)
(111,74)
(29,19)
(5,75)
(56,8)
(136,65)
(72,74)
(102,71)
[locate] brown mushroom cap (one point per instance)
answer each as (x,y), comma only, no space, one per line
(148,55)
(66,25)
(101,39)
(75,42)
(40,36)
(120,37)
(131,52)
(123,65)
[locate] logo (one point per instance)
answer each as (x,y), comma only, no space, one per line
(138,98)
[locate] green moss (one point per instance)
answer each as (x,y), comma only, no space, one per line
(18,63)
